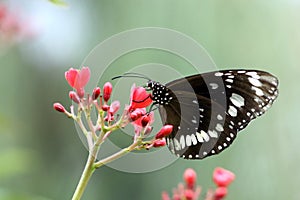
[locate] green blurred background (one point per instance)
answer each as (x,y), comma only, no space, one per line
(41,155)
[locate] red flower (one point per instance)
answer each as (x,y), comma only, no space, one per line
(77,79)
(189,194)
(220,193)
(74,97)
(159,143)
(138,117)
(58,107)
(164,131)
(136,114)
(139,98)
(165,196)
(190,177)
(96,93)
(107,89)
(222,177)
(112,109)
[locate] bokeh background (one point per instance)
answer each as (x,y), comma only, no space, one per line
(41,155)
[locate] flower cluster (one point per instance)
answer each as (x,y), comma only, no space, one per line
(108,120)
(190,191)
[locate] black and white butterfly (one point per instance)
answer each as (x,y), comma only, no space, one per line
(208,110)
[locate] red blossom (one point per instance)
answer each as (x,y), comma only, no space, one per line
(136,114)
(139,98)
(220,193)
(105,107)
(149,118)
(114,107)
(222,177)
(159,143)
(96,93)
(164,131)
(148,130)
(77,79)
(74,97)
(165,196)
(58,107)
(107,89)
(190,177)
(189,194)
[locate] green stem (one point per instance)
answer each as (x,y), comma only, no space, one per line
(85,177)
(117,155)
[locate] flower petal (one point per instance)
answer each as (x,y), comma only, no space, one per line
(139,98)
(71,76)
(83,78)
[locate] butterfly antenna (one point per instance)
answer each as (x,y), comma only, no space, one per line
(138,74)
(132,75)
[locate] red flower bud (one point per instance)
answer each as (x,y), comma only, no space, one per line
(74,97)
(137,113)
(164,131)
(165,196)
(148,130)
(220,193)
(189,194)
(58,107)
(114,107)
(145,120)
(96,93)
(159,143)
(80,92)
(107,89)
(222,177)
(105,107)
(190,178)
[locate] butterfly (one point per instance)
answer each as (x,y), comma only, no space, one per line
(208,110)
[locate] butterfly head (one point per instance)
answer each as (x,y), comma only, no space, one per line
(160,94)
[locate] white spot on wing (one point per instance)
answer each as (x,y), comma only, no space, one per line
(194,140)
(237,100)
(213,133)
(232,111)
(219,127)
(219,117)
(182,142)
(255,82)
(218,74)
(258,91)
(204,135)
(188,140)
(214,86)
(199,137)
(176,144)
(253,74)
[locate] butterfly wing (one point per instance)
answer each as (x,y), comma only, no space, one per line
(207,117)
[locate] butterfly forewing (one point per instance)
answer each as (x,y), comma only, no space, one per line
(207,118)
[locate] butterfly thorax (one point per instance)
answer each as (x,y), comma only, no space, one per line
(160,94)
